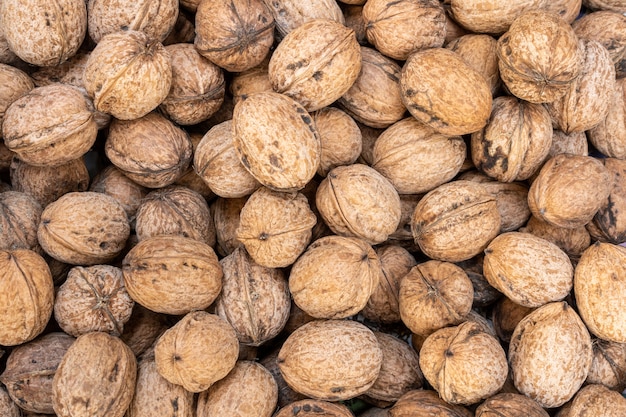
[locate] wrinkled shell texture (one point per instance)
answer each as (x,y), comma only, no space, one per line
(340,139)
(83,228)
(571,241)
(441,90)
(609,218)
(331,360)
(314,408)
(96,378)
(574,143)
(8,407)
(197,351)
(550,354)
(335,277)
(609,136)
(226,213)
(433,295)
(505,316)
(249,390)
(172,274)
(128,74)
(93,299)
(113,182)
(479,50)
(254,300)
(426,402)
(316,63)
(608,28)
(290,14)
(275,227)
(356,200)
(596,400)
(609,365)
(142,329)
(20,214)
(13,83)
(510,405)
(254,80)
(489,16)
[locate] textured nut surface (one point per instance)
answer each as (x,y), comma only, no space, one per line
(505,316)
(510,405)
(426,402)
(608,28)
(609,218)
(8,407)
(575,143)
(113,182)
(340,139)
(314,408)
(608,367)
(13,83)
(571,241)
(142,329)
(479,50)
(20,214)
(289,14)
(489,16)
(595,400)
(609,136)
(226,215)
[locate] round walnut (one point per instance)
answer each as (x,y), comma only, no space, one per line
(128,74)
(93,299)
(375,99)
(8,407)
(539,57)
(276,141)
(111,181)
(529,270)
(335,277)
(405,26)
(152,151)
(613,5)
(20,214)
(236,35)
(44,33)
(571,241)
(581,181)
(356,200)
(154,18)
(609,136)
(175,210)
(250,81)
(226,215)
(314,408)
(84,228)
(505,316)
(331,360)
(479,50)
(248,383)
(609,219)
(550,354)
(95,378)
(599,288)
(275,227)
(197,351)
(290,14)
(489,16)
(595,400)
(515,142)
(340,139)
(433,295)
(49,126)
(415,158)
(172,274)
(510,405)
(608,28)
(254,300)
(574,143)
(455,221)
(609,365)
(441,90)
(13,84)
(316,63)
(30,369)
(198,88)
(426,402)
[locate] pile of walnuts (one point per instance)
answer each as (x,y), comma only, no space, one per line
(263,208)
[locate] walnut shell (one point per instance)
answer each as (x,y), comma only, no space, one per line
(151,150)
(83,228)
(614,5)
(582,181)
(608,28)
(429,403)
(248,383)
(574,143)
(112,181)
(20,214)
(416,159)
(235,36)
(44,33)
(550,354)
(340,139)
(95,378)
(226,215)
(8,407)
(403,236)
(197,351)
(285,394)
(172,274)
(192,180)
(595,400)
(316,63)
(253,80)
(405,26)
(433,295)
(506,315)
(142,329)
(353,15)
(539,57)
(609,218)
(128,74)
(30,369)
(13,84)
(609,365)
(479,50)
(484,293)
(609,136)
(49,126)
(510,405)
(331,360)
(254,299)
(489,16)
(356,200)
(276,140)
(571,241)
(314,408)
(290,14)
(184,30)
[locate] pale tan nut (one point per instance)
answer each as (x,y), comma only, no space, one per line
(83,228)
(290,14)
(608,367)
(111,181)
(340,139)
(250,81)
(331,360)
(314,408)
(489,16)
(416,159)
(510,405)
(609,219)
(154,18)
(581,181)
(152,151)
(20,214)
(505,316)
(197,351)
(335,277)
(571,241)
(595,400)
(433,295)
(13,84)
(550,354)
(254,300)
(8,407)
(613,5)
(479,50)
(316,63)
(375,98)
(609,136)
(95,378)
(399,28)
(574,143)
(426,402)
(608,28)
(539,57)
(44,33)
(249,390)
(197,89)
(49,126)
(30,369)
(128,74)
(172,274)
(226,215)
(442,91)
(236,35)
(599,288)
